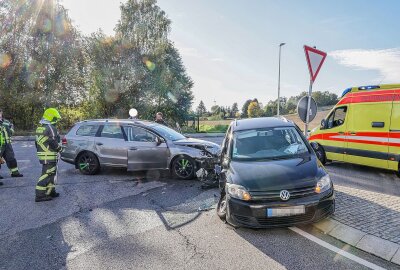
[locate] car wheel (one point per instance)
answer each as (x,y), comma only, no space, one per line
(221,207)
(320,152)
(88,163)
(183,167)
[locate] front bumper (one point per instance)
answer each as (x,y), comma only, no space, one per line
(253,214)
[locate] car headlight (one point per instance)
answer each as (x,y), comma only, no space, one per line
(238,192)
(323,184)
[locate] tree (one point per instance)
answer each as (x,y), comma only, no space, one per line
(215,109)
(235,109)
(201,109)
(245,107)
(254,110)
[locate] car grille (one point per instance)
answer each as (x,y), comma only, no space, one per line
(274,195)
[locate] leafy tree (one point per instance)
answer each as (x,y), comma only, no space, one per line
(235,109)
(254,110)
(245,107)
(201,109)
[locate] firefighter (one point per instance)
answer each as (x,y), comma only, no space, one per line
(7,130)
(47,146)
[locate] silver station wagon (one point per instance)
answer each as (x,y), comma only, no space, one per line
(133,144)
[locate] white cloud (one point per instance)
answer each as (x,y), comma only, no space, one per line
(386,62)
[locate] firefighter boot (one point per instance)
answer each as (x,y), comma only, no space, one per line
(43,198)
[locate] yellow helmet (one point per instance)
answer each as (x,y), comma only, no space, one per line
(51,115)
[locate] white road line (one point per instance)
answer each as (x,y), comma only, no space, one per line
(335,249)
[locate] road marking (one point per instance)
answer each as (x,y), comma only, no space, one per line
(335,249)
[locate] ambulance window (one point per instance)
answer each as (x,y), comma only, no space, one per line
(337,118)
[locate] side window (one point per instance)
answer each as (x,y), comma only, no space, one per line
(87,130)
(112,131)
(336,118)
(137,134)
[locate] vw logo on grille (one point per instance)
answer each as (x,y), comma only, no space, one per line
(285,195)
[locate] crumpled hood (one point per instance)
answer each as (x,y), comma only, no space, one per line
(275,174)
(191,142)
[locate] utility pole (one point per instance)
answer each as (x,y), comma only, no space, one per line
(279,78)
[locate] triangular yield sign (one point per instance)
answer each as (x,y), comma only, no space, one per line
(315,59)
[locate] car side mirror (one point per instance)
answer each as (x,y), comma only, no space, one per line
(323,123)
(314,146)
(225,162)
(159,141)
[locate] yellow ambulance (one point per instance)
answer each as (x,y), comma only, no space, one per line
(363,128)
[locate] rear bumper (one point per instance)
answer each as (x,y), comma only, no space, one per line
(253,214)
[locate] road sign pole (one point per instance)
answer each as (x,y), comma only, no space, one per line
(308,109)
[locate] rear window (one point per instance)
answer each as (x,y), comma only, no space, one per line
(112,131)
(87,130)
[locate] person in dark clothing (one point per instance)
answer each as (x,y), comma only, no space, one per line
(7,130)
(159,119)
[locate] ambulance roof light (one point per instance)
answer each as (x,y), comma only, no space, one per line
(346,91)
(369,87)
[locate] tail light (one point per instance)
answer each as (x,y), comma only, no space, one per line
(64,141)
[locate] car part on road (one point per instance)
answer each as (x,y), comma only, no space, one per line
(183,167)
(88,163)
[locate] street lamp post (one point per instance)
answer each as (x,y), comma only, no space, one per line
(279,78)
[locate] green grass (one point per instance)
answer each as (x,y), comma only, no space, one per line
(213,128)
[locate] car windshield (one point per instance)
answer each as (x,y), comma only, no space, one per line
(167,132)
(268,143)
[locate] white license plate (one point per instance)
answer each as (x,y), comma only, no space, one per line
(286,211)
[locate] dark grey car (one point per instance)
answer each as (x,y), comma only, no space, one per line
(132,144)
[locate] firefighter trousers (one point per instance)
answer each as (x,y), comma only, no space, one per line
(45,185)
(8,155)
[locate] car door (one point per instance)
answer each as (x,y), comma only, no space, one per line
(334,133)
(368,129)
(145,149)
(110,145)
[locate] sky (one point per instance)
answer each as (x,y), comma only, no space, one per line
(231,47)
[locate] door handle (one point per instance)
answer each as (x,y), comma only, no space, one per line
(99,143)
(133,148)
(341,133)
(353,133)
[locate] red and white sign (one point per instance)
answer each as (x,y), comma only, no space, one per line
(315,59)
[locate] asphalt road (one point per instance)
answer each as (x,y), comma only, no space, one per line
(119,220)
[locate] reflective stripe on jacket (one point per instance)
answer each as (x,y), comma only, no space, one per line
(7,130)
(47,143)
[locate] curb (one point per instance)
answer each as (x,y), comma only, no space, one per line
(379,247)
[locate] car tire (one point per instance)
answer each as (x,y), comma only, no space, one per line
(183,167)
(88,163)
(321,155)
(221,207)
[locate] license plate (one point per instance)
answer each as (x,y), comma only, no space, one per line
(286,211)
